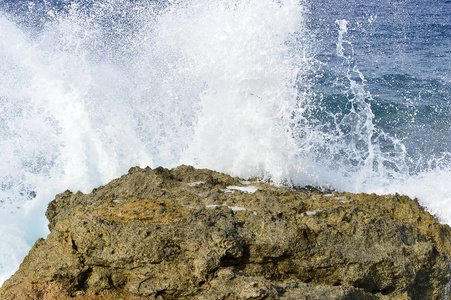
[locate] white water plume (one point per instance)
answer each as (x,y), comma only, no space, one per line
(89,90)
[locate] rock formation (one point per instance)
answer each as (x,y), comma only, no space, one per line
(197,234)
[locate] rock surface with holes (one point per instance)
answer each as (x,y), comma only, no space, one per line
(197,234)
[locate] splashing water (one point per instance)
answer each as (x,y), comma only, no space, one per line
(349,151)
(90,89)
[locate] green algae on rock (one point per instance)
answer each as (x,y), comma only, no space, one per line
(187,233)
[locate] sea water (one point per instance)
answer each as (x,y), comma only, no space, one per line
(349,95)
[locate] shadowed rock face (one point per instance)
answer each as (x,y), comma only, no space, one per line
(193,234)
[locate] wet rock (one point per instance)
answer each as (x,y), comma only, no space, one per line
(191,234)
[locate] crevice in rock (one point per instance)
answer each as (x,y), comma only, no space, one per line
(232,262)
(386,291)
(80,282)
(74,246)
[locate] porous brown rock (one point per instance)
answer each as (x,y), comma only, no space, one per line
(193,234)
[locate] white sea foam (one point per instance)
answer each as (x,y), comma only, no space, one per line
(432,188)
(13,248)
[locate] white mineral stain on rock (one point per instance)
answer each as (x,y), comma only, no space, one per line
(248,189)
(341,199)
(195,183)
(233,208)
(236,208)
(310,213)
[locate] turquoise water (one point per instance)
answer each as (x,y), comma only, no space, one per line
(349,95)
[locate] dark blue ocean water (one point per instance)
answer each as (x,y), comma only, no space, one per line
(403,50)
